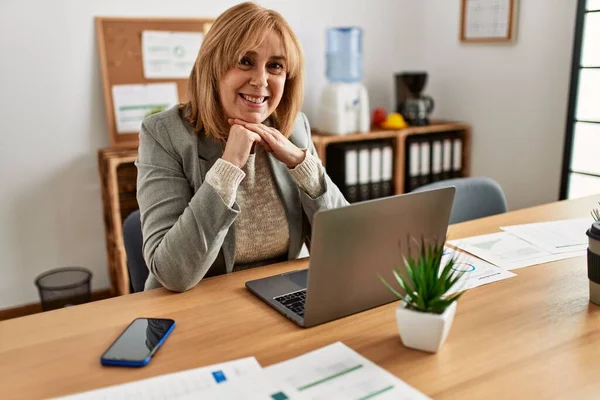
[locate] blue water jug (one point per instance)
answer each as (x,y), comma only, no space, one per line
(344,54)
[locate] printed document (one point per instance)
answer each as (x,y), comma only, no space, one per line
(509,251)
(476,272)
(338,372)
(194,383)
(256,386)
(169,55)
(132,103)
(555,236)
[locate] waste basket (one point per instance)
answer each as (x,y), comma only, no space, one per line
(63,287)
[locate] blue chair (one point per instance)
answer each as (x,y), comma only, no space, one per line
(132,239)
(476,197)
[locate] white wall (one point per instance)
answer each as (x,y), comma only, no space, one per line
(515,96)
(52,111)
(52,117)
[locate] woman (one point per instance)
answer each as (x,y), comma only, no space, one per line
(231,179)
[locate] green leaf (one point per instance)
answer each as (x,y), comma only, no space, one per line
(390,287)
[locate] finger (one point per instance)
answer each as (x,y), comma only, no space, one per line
(268,139)
(247,125)
(238,121)
(235,121)
(262,130)
(256,138)
(276,134)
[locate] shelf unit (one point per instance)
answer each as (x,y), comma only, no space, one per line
(321,140)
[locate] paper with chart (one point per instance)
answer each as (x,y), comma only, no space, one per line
(194,382)
(256,386)
(169,55)
(509,251)
(555,236)
(476,272)
(132,103)
(338,372)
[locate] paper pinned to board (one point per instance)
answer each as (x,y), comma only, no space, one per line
(338,372)
(194,382)
(169,55)
(554,236)
(132,103)
(509,251)
(476,272)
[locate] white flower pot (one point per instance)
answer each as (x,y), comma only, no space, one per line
(424,331)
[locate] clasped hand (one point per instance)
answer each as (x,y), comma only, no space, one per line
(244,135)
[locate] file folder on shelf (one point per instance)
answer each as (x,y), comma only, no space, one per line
(436,161)
(364,173)
(414,167)
(376,170)
(425,164)
(447,159)
(342,168)
(457,158)
(387,169)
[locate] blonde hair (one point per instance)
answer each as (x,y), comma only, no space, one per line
(238,30)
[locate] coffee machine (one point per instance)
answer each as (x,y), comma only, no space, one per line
(414,106)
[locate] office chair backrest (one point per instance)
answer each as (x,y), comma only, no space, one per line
(132,238)
(476,197)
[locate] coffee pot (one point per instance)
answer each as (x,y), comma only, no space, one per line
(414,106)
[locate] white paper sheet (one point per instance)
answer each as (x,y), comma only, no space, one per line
(169,55)
(476,272)
(194,382)
(555,236)
(256,386)
(133,102)
(509,251)
(338,372)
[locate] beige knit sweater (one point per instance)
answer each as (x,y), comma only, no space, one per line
(261,228)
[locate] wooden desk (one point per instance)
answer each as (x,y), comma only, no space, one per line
(532,336)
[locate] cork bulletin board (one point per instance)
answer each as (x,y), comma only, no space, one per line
(120,49)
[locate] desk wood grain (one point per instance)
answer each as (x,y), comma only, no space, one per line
(532,336)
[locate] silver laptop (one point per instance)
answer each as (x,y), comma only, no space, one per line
(350,246)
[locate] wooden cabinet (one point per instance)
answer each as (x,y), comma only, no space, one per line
(118,176)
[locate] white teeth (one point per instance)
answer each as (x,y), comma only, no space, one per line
(256,100)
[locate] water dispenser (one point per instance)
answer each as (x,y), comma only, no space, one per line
(344,106)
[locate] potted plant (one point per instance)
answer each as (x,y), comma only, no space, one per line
(427,308)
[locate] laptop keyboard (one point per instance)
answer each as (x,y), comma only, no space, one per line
(294,301)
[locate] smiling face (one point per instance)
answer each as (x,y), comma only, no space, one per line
(252,89)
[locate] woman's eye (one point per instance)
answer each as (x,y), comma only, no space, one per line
(276,66)
(246,61)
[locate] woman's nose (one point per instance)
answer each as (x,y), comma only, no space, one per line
(259,78)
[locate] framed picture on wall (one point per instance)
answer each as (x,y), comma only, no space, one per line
(488,21)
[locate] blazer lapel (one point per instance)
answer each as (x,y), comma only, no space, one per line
(288,191)
(209,151)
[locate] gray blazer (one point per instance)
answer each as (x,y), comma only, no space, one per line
(188,230)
